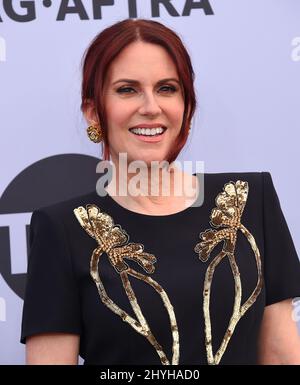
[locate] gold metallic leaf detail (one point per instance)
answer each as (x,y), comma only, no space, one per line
(226,217)
(113,241)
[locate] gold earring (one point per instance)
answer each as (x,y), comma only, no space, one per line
(95,134)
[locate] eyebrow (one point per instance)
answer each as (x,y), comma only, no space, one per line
(133,81)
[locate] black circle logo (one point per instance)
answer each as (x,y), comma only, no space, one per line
(45,182)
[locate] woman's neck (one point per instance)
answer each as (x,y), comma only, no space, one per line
(157,192)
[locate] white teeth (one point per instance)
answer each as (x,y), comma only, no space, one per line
(147,131)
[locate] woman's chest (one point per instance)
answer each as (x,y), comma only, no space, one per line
(183,299)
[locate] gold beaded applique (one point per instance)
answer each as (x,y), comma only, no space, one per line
(230,205)
(112,240)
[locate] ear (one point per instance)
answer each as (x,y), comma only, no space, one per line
(89,112)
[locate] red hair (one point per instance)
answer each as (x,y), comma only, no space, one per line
(109,43)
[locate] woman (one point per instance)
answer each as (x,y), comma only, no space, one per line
(158,279)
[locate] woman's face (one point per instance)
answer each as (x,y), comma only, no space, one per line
(146,101)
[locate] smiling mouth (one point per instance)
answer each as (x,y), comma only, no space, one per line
(148,132)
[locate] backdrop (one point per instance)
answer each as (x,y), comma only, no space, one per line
(246,56)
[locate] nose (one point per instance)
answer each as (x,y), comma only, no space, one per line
(149,105)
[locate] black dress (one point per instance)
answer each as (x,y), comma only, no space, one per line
(184,288)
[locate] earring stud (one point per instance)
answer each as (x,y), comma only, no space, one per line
(95,134)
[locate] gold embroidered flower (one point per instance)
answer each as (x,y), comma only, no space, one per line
(230,205)
(226,216)
(112,239)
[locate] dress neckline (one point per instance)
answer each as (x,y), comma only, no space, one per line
(178,214)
